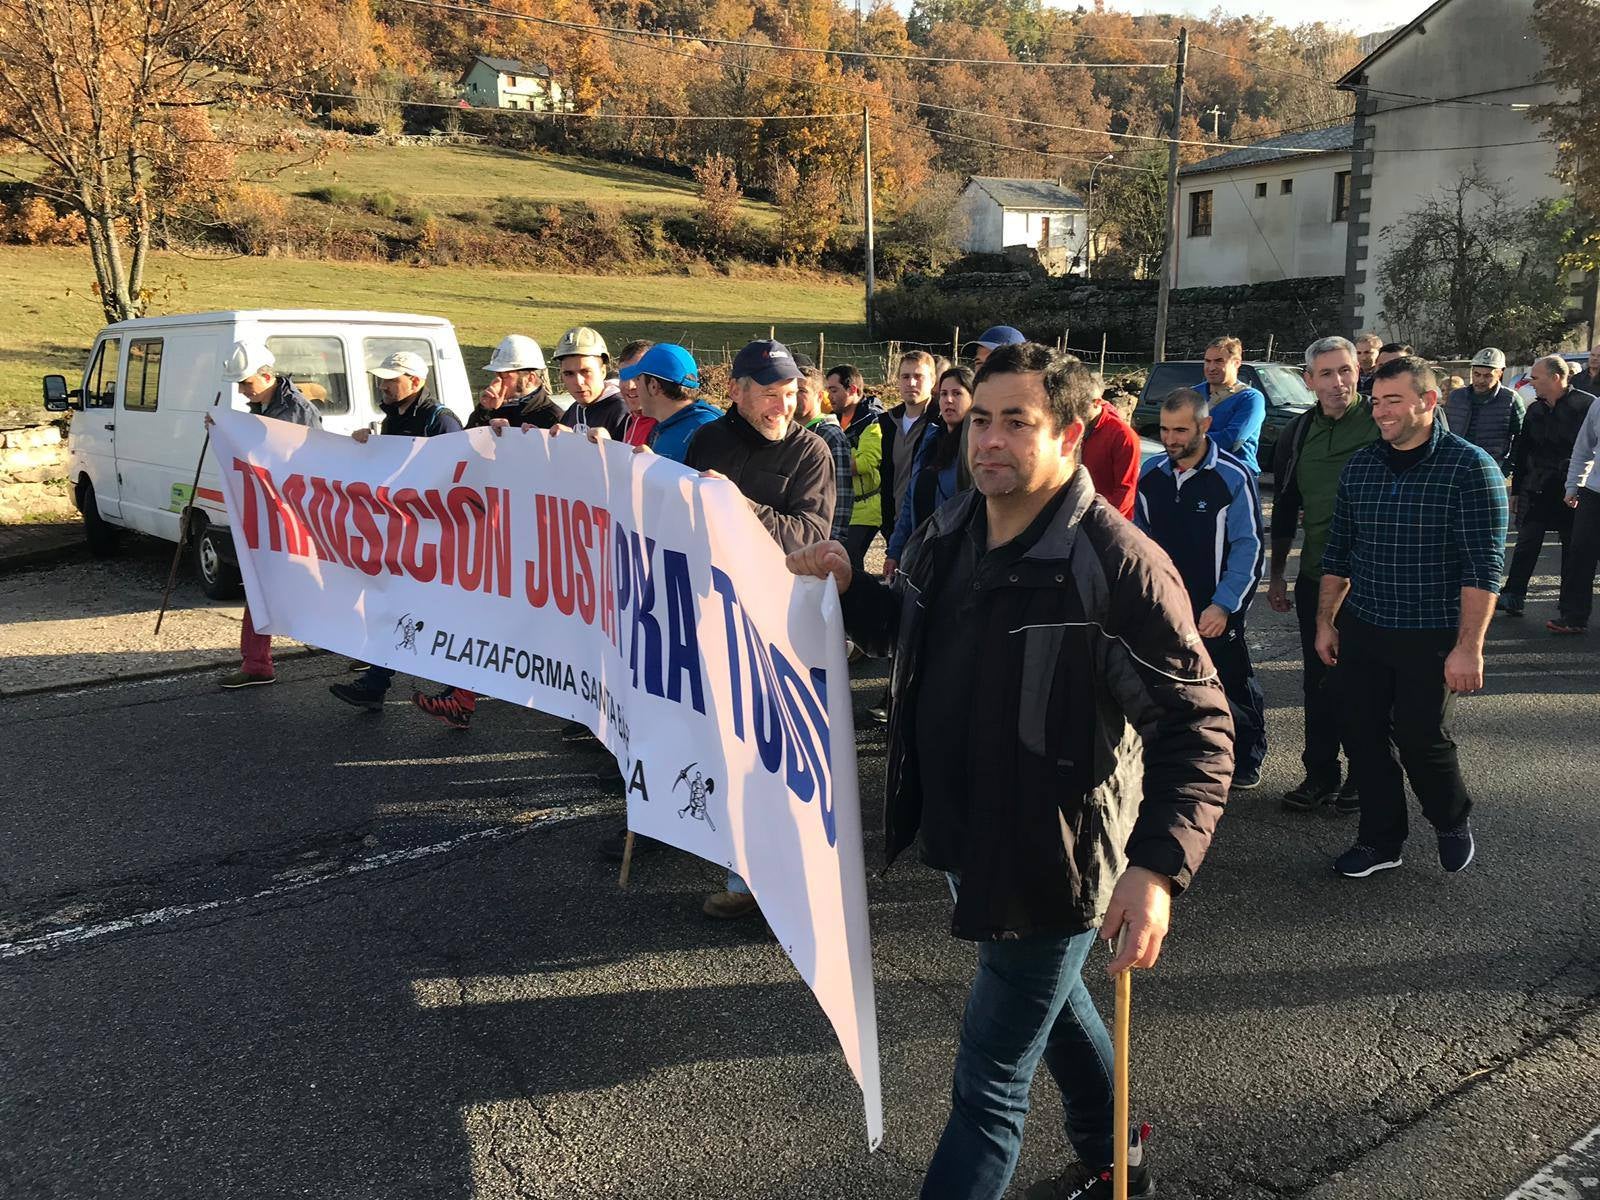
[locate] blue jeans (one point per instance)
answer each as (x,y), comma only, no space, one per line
(1028,1001)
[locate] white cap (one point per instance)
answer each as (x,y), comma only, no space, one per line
(517,352)
(401,362)
(245,359)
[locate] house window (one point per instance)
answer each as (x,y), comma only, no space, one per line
(1341,196)
(1261,190)
(144,375)
(512,81)
(1200,214)
(1286,187)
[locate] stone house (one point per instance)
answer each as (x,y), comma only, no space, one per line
(1277,209)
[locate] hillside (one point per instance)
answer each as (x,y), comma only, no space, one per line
(54,317)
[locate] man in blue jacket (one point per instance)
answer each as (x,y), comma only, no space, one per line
(1237,409)
(1200,504)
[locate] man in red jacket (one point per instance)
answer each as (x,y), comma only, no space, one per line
(1111,456)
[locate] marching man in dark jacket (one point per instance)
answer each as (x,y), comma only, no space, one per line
(266,393)
(1059,744)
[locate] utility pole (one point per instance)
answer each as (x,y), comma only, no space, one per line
(866,175)
(1169,255)
(1215,113)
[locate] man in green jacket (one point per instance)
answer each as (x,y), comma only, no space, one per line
(1309,457)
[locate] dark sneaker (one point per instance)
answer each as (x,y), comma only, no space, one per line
(611,846)
(453,706)
(370,699)
(879,711)
(1348,802)
(1081,1182)
(1244,780)
(1311,794)
(575,733)
(1456,847)
(1564,627)
(1510,605)
(1360,861)
(243,679)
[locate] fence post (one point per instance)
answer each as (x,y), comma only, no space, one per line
(1102,356)
(822,350)
(955,344)
(1269,347)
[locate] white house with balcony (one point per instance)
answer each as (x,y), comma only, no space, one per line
(505,83)
(1278,209)
(1036,213)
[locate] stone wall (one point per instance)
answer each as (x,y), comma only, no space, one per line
(33,470)
(1289,312)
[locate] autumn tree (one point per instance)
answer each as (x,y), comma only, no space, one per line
(1466,268)
(117,98)
(719,199)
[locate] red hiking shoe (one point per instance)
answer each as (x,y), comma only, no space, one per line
(453,706)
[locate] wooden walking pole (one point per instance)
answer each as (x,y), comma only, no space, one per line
(627,860)
(183,525)
(1119,1045)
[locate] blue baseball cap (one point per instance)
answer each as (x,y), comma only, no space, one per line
(1000,335)
(665,361)
(765,362)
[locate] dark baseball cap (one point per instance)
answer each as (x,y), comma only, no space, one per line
(765,362)
(1000,335)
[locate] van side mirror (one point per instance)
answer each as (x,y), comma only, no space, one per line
(56,396)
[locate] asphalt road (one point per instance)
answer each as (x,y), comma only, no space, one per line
(258,945)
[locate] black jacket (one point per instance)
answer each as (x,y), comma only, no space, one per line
(1540,459)
(288,403)
(609,412)
(890,421)
(1086,648)
(789,483)
(425,418)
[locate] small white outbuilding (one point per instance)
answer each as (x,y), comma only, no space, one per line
(1037,213)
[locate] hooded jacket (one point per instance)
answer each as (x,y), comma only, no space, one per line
(788,482)
(865,433)
(1098,734)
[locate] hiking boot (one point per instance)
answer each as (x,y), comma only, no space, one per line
(1510,605)
(1311,794)
(1083,1182)
(1244,780)
(243,679)
(1456,847)
(1348,802)
(730,906)
(1360,861)
(576,733)
(453,706)
(355,694)
(611,846)
(1565,627)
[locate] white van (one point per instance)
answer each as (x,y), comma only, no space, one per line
(138,416)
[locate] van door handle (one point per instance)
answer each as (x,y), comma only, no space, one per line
(110,426)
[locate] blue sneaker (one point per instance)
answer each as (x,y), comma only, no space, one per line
(1360,861)
(1456,847)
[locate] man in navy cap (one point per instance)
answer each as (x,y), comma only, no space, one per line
(785,472)
(993,338)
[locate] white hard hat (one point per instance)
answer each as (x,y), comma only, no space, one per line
(517,352)
(245,359)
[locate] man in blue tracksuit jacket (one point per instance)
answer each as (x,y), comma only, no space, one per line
(1200,504)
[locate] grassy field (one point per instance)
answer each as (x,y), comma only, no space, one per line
(52,317)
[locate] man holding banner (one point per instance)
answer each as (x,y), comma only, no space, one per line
(1038,639)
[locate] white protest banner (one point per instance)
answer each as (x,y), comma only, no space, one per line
(615,589)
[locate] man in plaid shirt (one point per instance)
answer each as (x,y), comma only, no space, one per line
(808,412)
(1409,576)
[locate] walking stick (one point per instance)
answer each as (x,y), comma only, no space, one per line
(627,859)
(183,525)
(1119,1045)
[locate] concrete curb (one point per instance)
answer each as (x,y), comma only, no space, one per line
(45,689)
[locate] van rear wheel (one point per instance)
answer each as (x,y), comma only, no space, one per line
(219,574)
(103,537)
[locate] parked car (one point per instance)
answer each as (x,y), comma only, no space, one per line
(137,423)
(1282,385)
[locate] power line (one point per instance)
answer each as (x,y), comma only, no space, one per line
(1465,101)
(937,60)
(463,107)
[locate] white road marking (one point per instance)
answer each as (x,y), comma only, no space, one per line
(78,934)
(1574,1175)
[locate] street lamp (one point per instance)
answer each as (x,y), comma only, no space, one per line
(1088,220)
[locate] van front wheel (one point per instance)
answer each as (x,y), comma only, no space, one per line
(102,536)
(219,574)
